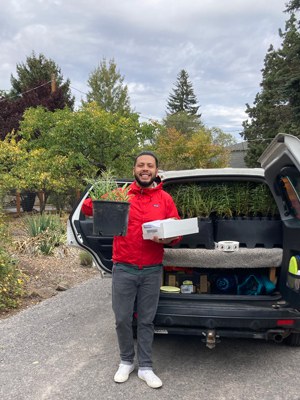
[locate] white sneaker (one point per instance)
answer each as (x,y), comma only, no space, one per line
(123,372)
(150,378)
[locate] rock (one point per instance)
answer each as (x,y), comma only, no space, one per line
(43,293)
(62,286)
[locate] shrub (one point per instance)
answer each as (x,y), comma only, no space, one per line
(11,278)
(86,259)
(11,282)
(46,232)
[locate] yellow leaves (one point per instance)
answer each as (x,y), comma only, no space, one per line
(196,150)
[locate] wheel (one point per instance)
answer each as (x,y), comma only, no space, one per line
(293,339)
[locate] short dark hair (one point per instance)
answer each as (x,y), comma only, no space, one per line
(146,153)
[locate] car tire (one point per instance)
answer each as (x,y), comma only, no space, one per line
(293,340)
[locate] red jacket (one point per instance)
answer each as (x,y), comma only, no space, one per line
(146,204)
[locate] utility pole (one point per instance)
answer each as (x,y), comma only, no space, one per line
(53,83)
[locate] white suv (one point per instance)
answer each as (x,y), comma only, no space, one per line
(242,271)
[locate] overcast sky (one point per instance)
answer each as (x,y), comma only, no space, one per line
(220,43)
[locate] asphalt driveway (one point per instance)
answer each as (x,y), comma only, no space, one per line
(65,348)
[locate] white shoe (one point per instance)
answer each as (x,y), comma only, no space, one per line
(123,372)
(150,378)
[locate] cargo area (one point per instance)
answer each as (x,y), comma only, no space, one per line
(239,217)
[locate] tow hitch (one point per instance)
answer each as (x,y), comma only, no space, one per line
(211,339)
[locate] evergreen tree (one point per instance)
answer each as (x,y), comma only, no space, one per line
(38,71)
(183,98)
(31,88)
(108,89)
(277,107)
(293,5)
(185,123)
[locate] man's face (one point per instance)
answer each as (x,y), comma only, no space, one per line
(145,170)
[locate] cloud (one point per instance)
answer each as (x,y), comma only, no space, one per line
(221,44)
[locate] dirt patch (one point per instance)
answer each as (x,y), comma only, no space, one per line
(47,275)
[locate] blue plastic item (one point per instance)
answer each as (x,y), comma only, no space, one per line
(255,285)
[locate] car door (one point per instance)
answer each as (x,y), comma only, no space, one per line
(80,234)
(281,162)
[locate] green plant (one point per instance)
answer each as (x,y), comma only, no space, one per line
(40,223)
(86,259)
(46,232)
(12,281)
(225,200)
(106,188)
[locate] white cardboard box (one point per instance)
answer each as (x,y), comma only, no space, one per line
(167,228)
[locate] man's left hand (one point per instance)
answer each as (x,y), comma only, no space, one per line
(163,241)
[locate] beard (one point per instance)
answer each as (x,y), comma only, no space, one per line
(144,184)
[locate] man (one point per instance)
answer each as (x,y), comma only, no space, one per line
(137,270)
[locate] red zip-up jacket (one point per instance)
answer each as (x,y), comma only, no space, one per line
(146,204)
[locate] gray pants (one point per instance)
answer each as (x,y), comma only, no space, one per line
(126,287)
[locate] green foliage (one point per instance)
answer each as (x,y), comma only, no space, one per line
(87,141)
(108,89)
(86,260)
(11,278)
(183,97)
(37,70)
(277,107)
(11,281)
(69,147)
(293,5)
(46,232)
(106,188)
(183,122)
(177,151)
(228,199)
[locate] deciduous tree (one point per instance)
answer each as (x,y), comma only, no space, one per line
(107,88)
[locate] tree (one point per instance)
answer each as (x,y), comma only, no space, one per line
(92,138)
(108,89)
(31,88)
(38,71)
(277,107)
(183,122)
(183,98)
(177,151)
(71,147)
(293,5)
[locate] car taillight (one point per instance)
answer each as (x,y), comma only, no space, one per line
(285,322)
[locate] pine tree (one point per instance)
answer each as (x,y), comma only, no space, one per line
(31,88)
(293,5)
(38,71)
(183,98)
(277,107)
(108,89)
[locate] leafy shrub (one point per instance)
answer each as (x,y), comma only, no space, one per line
(11,278)
(11,282)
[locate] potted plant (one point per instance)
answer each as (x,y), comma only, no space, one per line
(251,217)
(110,206)
(196,201)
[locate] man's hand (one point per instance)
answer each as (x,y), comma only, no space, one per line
(163,241)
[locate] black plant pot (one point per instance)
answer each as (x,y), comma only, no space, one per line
(110,218)
(252,232)
(203,239)
(27,201)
